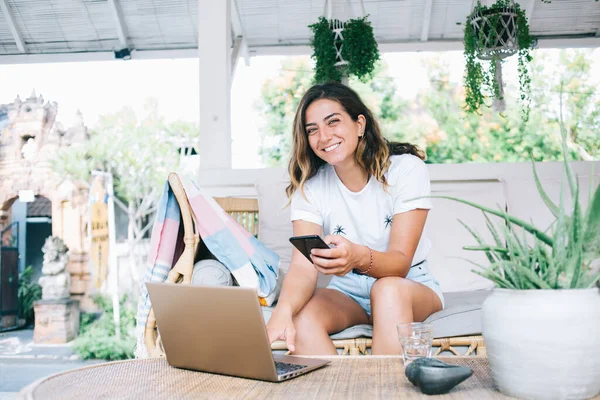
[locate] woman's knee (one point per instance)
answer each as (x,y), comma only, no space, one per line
(391,287)
(308,320)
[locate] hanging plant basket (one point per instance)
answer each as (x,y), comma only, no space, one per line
(343,49)
(498,32)
(492,34)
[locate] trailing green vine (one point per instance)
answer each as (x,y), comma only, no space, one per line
(324,52)
(474,75)
(359,48)
(480,75)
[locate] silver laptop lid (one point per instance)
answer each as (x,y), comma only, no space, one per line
(213,329)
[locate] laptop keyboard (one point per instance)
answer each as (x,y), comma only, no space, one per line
(284,368)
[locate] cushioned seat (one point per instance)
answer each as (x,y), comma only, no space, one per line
(461,317)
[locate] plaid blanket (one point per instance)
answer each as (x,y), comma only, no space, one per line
(248,260)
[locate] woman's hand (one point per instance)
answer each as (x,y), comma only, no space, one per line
(281,327)
(340,259)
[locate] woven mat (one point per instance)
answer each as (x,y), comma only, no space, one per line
(345,378)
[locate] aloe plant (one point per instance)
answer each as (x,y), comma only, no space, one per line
(561,260)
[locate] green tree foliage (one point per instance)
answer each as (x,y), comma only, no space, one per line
(450,135)
(140,153)
(280,96)
(569,81)
(437,122)
(282,93)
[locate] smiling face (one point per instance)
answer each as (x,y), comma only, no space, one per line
(331,132)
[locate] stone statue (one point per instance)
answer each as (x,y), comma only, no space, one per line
(56,281)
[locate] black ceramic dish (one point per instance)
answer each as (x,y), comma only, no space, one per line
(434,376)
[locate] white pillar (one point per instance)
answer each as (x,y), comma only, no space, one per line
(214,53)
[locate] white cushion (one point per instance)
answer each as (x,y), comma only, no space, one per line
(274,226)
(448,260)
(525,202)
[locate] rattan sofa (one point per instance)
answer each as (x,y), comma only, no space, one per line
(353,341)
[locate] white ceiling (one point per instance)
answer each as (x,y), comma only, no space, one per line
(93,29)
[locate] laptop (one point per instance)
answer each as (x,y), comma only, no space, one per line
(220,329)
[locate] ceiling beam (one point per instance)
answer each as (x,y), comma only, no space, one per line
(238,31)
(430,45)
(34,58)
(117,15)
(238,43)
(289,50)
(426,20)
(530,7)
(12,25)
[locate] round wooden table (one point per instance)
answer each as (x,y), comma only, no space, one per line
(372,377)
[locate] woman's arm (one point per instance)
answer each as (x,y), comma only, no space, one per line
(298,287)
(301,279)
(407,228)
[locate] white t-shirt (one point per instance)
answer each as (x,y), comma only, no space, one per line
(365,217)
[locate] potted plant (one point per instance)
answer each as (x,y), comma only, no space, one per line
(29,292)
(342,49)
(541,324)
(491,34)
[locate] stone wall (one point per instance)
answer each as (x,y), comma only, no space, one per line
(28,140)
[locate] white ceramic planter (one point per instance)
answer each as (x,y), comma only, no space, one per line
(544,344)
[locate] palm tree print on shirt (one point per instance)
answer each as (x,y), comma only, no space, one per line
(388,220)
(339,230)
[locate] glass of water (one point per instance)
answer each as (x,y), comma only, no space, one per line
(415,338)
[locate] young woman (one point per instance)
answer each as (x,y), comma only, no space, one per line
(356,190)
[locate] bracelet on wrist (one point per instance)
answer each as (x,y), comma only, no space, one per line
(366,272)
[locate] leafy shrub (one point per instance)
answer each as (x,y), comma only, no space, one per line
(28,293)
(97,345)
(86,319)
(97,338)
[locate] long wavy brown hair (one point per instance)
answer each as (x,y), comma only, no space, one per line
(373,151)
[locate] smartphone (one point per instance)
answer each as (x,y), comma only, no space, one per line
(306,243)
